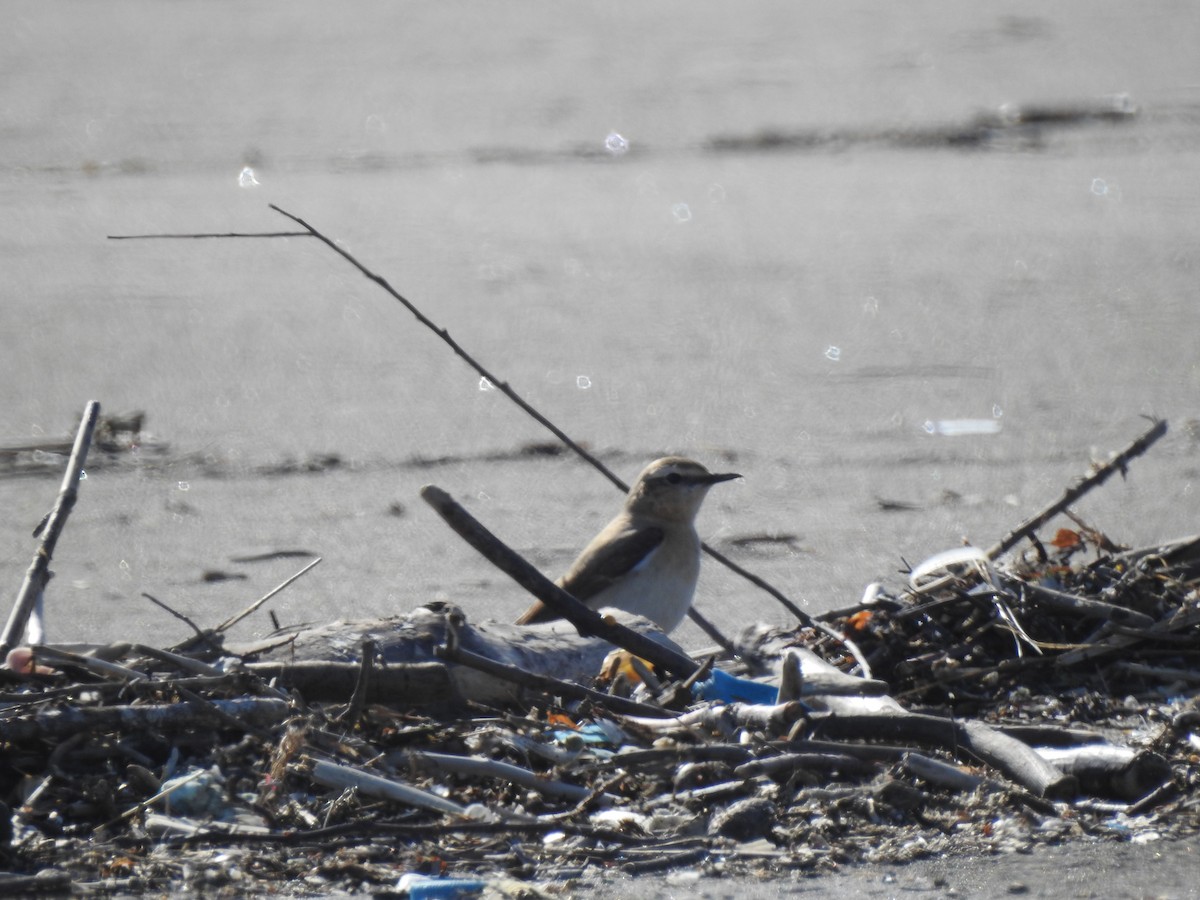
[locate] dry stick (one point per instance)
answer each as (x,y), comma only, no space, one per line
(202,636)
(362,687)
(503,386)
(39,571)
(1102,474)
(229,623)
(227,234)
(694,614)
(803,617)
(196,628)
(586,621)
(1036,521)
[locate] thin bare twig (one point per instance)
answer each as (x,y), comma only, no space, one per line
(503,386)
(520,401)
(196,628)
(227,234)
(230,622)
(1073,493)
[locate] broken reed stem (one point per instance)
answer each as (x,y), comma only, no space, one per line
(39,570)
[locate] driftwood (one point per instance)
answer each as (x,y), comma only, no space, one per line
(320,681)
(341,777)
(1084,607)
(413,670)
(1015,760)
(1119,772)
(63,722)
(50,529)
(1100,475)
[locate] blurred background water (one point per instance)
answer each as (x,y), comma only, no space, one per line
(799,241)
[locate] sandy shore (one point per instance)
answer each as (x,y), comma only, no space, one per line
(813,313)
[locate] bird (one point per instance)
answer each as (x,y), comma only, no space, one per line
(647,559)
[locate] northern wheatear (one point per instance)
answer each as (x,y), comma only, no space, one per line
(646,560)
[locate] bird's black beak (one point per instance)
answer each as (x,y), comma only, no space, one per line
(717,477)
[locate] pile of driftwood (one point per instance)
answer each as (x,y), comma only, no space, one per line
(990,706)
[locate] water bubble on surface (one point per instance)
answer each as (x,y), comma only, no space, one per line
(375,124)
(82,474)
(832,353)
(997,412)
(583,382)
(485,384)
(246,178)
(1099,187)
(184,486)
(682,212)
(616,144)
(716,193)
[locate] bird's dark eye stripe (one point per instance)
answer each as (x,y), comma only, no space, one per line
(674,477)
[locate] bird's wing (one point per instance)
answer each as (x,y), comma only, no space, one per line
(593,572)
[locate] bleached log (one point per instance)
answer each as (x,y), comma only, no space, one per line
(884,718)
(552,649)
(939,773)
(1110,771)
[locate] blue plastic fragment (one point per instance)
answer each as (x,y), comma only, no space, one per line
(731,689)
(422,887)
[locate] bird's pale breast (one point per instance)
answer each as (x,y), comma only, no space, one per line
(661,586)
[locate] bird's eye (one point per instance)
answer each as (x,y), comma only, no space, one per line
(674,478)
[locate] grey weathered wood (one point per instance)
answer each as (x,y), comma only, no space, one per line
(322,662)
(39,570)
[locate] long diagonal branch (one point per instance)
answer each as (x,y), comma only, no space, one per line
(503,386)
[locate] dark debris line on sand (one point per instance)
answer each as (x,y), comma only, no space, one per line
(131,769)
